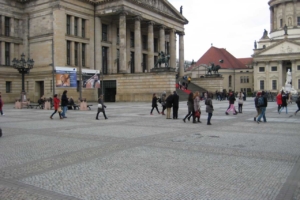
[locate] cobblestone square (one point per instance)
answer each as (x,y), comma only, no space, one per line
(135,155)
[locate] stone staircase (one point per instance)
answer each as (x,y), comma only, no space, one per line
(192,87)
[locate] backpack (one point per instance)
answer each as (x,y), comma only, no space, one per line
(260,101)
(206,102)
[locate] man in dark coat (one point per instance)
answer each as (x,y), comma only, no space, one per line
(64,104)
(169,102)
(175,105)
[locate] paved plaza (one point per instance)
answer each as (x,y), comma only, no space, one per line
(137,156)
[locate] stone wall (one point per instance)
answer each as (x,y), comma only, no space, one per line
(140,87)
(210,84)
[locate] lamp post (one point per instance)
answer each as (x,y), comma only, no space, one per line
(23,67)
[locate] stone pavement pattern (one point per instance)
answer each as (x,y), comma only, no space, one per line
(134,155)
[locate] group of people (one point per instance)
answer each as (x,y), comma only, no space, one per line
(172,101)
(283,99)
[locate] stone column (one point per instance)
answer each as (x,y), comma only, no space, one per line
(114,49)
(2,53)
(272,18)
(98,48)
(294,71)
(280,82)
(150,58)
(12,27)
(162,38)
(2,25)
(137,45)
(72,49)
(275,19)
(284,15)
(295,15)
(122,33)
(59,34)
(181,54)
(72,24)
(172,48)
(79,27)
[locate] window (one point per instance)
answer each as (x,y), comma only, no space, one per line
(167,45)
(298,21)
(76,53)
(104,59)
(83,55)
(230,81)
(118,60)
(68,24)
(145,42)
(155,45)
(8,86)
(83,28)
(132,62)
(7,54)
(274,85)
(144,62)
(155,59)
(244,79)
(6,26)
(262,85)
(274,69)
(298,84)
(298,67)
(131,39)
(281,23)
(261,69)
(68,53)
(104,32)
(118,36)
(76,26)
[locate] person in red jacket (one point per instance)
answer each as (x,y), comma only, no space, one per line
(56,102)
(279,101)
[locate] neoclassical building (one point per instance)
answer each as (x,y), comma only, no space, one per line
(279,51)
(120,38)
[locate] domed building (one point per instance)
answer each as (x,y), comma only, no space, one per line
(279,51)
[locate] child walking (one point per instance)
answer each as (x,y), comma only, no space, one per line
(56,102)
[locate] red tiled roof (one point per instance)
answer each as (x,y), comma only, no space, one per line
(246,61)
(214,54)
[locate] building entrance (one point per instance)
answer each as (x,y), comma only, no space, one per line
(109,90)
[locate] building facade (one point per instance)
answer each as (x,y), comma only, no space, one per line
(120,38)
(279,51)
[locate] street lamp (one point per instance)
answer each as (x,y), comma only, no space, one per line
(23,67)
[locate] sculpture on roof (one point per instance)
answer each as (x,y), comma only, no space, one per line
(285,30)
(255,45)
(180,9)
(265,35)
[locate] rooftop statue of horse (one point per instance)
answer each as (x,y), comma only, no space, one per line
(162,58)
(213,68)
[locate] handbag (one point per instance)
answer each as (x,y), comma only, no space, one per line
(197,113)
(59,109)
(99,105)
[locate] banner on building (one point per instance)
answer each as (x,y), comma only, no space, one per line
(65,77)
(90,78)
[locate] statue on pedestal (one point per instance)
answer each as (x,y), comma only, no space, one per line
(162,58)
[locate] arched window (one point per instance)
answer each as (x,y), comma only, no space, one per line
(230,81)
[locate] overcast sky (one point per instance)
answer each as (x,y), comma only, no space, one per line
(230,24)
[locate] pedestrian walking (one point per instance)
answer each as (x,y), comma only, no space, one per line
(175,105)
(231,99)
(241,101)
(154,104)
(169,102)
(279,101)
(190,104)
(1,105)
(262,103)
(197,108)
(298,104)
(258,111)
(284,98)
(56,102)
(163,102)
(209,108)
(64,104)
(101,107)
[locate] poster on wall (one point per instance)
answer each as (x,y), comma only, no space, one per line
(65,77)
(90,78)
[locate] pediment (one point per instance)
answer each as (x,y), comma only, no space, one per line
(285,47)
